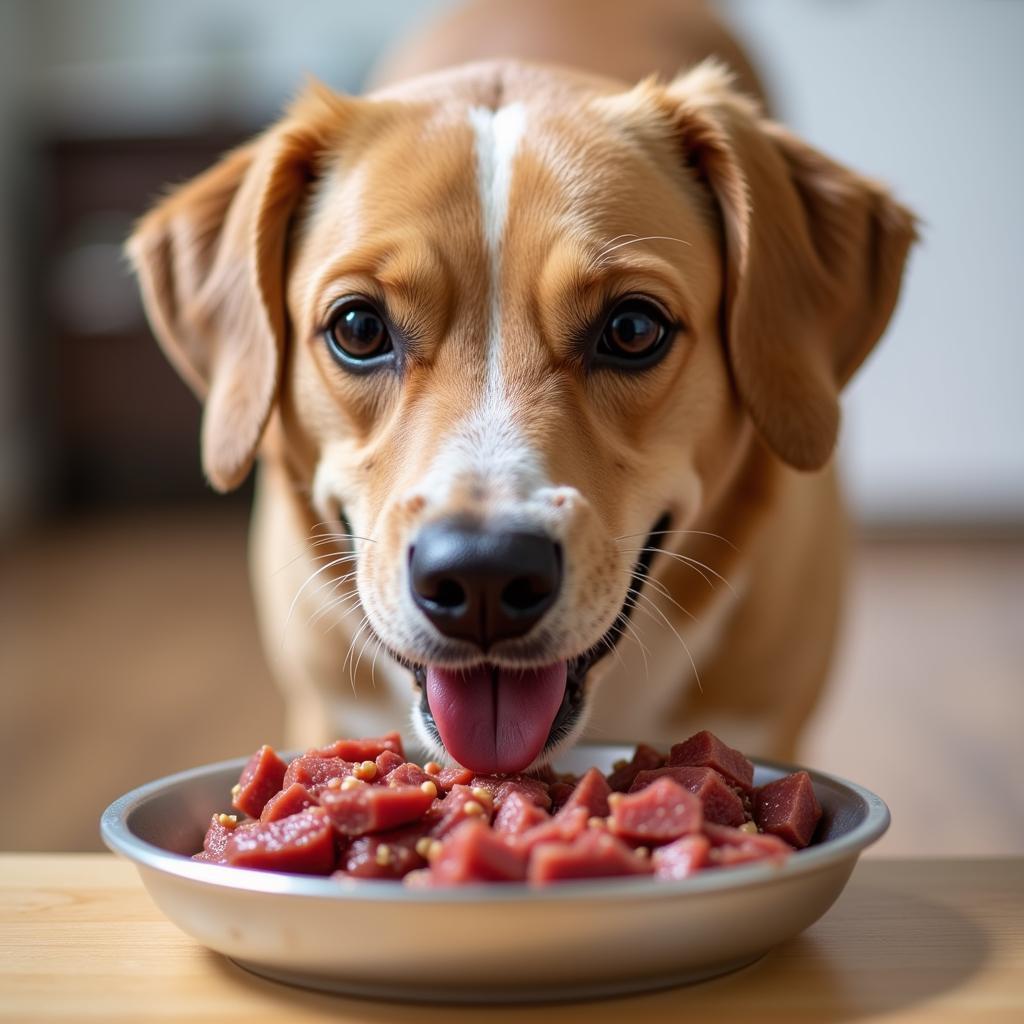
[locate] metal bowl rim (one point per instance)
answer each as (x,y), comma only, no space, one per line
(118,836)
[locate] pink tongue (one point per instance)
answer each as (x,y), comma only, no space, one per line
(495,720)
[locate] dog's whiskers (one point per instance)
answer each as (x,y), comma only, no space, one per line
(663,591)
(309,579)
(664,618)
(693,563)
(666,533)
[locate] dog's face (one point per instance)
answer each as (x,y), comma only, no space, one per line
(508,342)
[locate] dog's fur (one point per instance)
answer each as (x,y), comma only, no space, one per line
(496,208)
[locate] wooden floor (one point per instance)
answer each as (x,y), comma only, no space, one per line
(128,650)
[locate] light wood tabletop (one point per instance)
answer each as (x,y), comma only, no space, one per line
(933,941)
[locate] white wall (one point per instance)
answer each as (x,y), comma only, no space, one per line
(922,93)
(925,94)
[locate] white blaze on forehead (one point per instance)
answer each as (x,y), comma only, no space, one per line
(487,444)
(497,136)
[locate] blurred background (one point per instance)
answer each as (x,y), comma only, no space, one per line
(128,646)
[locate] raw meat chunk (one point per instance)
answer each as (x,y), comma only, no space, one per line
(591,793)
(473,853)
(658,814)
(362,750)
(682,858)
(387,854)
(592,854)
(261,778)
(705,750)
(644,760)
(365,808)
(302,844)
(517,814)
(288,802)
(737,846)
(788,808)
(719,800)
(500,787)
(316,772)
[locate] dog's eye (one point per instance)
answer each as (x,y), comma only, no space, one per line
(635,332)
(357,333)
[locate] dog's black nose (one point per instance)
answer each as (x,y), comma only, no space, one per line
(483,585)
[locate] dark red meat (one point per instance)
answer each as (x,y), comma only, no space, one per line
(387,854)
(517,814)
(681,858)
(261,778)
(788,809)
(658,814)
(474,853)
(362,750)
(500,787)
(288,802)
(591,793)
(592,854)
(705,750)
(460,805)
(737,846)
(355,812)
(719,800)
(217,836)
(644,760)
(302,844)
(316,772)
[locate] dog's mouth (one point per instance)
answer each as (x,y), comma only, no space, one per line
(495,719)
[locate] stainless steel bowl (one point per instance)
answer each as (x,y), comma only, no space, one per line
(486,943)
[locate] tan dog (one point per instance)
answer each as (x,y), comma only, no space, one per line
(543,369)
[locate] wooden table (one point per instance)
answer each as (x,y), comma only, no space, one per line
(909,940)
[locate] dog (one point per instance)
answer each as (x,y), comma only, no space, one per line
(540,347)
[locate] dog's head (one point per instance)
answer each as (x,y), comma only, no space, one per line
(510,323)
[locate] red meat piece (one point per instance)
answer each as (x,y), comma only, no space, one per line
(408,774)
(261,778)
(644,760)
(735,846)
(560,793)
(658,814)
(362,750)
(451,811)
(302,844)
(387,762)
(705,750)
(560,829)
(355,812)
(517,814)
(288,802)
(681,858)
(448,778)
(535,790)
(315,772)
(788,808)
(720,802)
(473,853)
(591,793)
(593,854)
(217,836)
(385,855)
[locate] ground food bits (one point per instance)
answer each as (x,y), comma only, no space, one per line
(359,809)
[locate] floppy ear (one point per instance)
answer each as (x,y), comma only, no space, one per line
(210,262)
(814,260)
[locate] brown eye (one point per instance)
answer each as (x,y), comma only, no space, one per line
(357,333)
(635,332)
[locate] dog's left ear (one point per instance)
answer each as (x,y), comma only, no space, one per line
(210,260)
(814,260)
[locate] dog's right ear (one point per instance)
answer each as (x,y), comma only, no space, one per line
(210,262)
